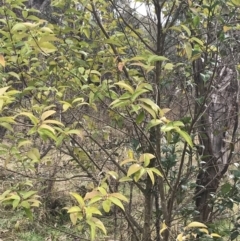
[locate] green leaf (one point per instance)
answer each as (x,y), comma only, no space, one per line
(3,90)
(140,117)
(106,205)
(186,29)
(125,179)
(149,102)
(119,196)
(153,123)
(53,122)
(139,174)
(92,210)
(46,47)
(78,198)
(151,175)
(74,209)
(102,191)
(177,123)
(197,40)
(73,217)
(29,193)
(28,213)
(146,157)
(46,114)
(95,199)
(33,119)
(15,203)
(47,127)
(117,202)
(156,171)
(14,75)
(99,224)
(168,127)
(215,235)
(186,137)
(149,110)
(236,2)
(25,204)
(34,154)
(188,49)
(196,225)
(2,60)
(125,86)
(155,58)
(133,169)
(138,93)
(18,26)
(169,66)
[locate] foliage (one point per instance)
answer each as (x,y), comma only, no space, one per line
(136,108)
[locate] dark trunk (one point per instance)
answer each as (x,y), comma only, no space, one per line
(217,121)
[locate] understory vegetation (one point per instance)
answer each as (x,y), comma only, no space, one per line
(119,120)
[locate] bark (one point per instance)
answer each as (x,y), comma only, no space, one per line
(217,123)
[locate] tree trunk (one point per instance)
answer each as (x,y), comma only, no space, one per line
(218,119)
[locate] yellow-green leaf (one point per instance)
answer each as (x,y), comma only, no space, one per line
(78,198)
(155,58)
(186,29)
(164,227)
(2,60)
(34,154)
(46,114)
(156,171)
(180,237)
(133,169)
(196,225)
(53,122)
(33,119)
(125,86)
(186,137)
(73,217)
(236,2)
(47,127)
(106,205)
(99,224)
(74,209)
(151,175)
(46,47)
(117,202)
(215,235)
(3,90)
(127,161)
(188,49)
(119,196)
(102,190)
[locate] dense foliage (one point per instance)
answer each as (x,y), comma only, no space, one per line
(120,121)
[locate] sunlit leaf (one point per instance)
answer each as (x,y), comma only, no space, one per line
(2,60)
(155,58)
(125,86)
(119,196)
(163,228)
(116,201)
(186,137)
(74,209)
(106,205)
(133,169)
(215,235)
(46,114)
(151,175)
(78,198)
(196,225)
